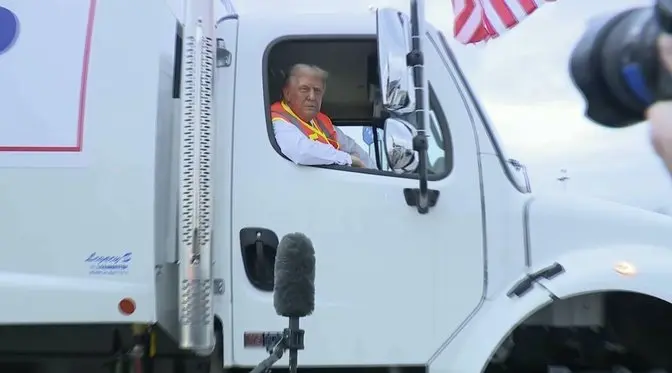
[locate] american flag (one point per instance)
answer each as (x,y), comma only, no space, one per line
(480,20)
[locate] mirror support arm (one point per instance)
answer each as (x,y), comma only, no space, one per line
(425,198)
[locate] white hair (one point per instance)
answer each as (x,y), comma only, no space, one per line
(310,69)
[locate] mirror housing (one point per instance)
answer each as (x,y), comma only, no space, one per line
(397,83)
(401,157)
(403,87)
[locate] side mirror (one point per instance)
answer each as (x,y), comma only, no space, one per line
(393,29)
(403,89)
(401,157)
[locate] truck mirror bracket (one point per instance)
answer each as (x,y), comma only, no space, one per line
(224,56)
(412,197)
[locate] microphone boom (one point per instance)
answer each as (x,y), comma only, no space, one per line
(293,296)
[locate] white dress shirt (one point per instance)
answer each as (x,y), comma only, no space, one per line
(296,146)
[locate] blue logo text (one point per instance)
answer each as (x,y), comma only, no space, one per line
(108,264)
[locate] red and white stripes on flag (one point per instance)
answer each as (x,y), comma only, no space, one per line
(480,20)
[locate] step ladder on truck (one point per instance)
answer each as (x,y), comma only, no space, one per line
(144,193)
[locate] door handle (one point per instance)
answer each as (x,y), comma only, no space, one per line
(258,248)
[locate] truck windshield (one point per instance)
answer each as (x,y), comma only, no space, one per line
(511,173)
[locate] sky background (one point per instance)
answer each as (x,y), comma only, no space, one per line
(522,80)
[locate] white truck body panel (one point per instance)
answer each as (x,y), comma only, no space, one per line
(603,236)
(471,348)
(594,225)
(589,238)
(503,241)
(56,218)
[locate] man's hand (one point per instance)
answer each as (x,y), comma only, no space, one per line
(356,162)
(660,113)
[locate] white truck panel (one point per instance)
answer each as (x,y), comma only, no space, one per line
(102,208)
(471,349)
(224,240)
(595,270)
(560,225)
(504,226)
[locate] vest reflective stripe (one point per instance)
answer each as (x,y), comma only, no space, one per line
(323,126)
(290,119)
(322,121)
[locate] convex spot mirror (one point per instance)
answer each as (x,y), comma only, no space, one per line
(393,29)
(401,157)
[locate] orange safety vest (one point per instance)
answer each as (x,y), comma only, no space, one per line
(319,129)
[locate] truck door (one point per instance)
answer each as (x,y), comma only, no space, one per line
(384,271)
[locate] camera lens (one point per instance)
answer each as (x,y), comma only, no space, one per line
(615,66)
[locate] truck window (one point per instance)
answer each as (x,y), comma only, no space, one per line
(349,96)
(434,147)
(370,139)
(439,151)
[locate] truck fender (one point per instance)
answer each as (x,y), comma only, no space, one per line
(632,268)
(471,347)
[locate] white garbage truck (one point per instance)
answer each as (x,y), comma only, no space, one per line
(143,196)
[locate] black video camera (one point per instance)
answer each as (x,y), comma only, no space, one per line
(617,67)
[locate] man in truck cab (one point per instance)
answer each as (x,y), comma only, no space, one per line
(305,135)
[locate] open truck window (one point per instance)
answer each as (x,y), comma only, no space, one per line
(352,86)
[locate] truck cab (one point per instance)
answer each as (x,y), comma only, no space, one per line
(378,259)
(388,274)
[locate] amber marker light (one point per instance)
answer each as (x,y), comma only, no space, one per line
(625,269)
(127,306)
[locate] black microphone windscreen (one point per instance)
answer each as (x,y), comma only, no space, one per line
(294,283)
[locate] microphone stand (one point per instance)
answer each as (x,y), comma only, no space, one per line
(292,340)
(295,344)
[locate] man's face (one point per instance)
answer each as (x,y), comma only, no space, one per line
(303,94)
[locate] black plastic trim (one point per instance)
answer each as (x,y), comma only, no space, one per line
(177,61)
(255,241)
(523,286)
(412,196)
